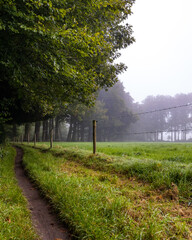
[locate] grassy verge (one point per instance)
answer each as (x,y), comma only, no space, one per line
(99,205)
(173,152)
(162,174)
(15,220)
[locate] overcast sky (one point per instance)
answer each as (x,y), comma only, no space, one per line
(160,61)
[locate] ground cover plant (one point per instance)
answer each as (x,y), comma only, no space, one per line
(105,204)
(15,222)
(157,168)
(173,152)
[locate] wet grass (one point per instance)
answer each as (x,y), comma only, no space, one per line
(161,174)
(173,152)
(15,222)
(98,199)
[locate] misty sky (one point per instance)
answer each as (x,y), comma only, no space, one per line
(160,61)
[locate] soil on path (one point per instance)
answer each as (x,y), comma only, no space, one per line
(44,220)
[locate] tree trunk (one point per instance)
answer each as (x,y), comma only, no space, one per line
(161,136)
(37,131)
(156,136)
(70,131)
(82,132)
(178,135)
(2,133)
(90,134)
(74,132)
(45,133)
(78,131)
(57,123)
(14,130)
(175,136)
(27,131)
(185,135)
(51,126)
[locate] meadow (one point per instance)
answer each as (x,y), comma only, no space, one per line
(174,152)
(161,164)
(125,191)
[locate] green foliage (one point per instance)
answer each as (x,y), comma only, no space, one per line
(15,222)
(118,104)
(58,51)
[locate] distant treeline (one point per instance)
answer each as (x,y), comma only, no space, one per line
(173,124)
(118,119)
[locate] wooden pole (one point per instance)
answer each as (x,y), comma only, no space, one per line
(94,136)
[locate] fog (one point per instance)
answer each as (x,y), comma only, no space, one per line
(157,119)
(160,60)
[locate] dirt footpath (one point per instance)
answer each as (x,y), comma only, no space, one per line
(44,220)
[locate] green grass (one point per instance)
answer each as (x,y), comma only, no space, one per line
(15,222)
(173,152)
(97,202)
(155,169)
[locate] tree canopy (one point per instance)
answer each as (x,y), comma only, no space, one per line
(58,51)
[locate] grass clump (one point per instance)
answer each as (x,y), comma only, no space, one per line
(99,205)
(15,222)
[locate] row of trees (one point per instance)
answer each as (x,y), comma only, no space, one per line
(55,58)
(56,53)
(74,122)
(109,108)
(120,119)
(171,124)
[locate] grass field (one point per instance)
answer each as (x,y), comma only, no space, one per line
(161,164)
(117,194)
(174,152)
(15,222)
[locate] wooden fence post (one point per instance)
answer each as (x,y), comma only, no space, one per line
(94,136)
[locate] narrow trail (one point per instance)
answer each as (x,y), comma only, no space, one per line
(44,220)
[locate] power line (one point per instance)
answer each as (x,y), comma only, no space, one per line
(156,110)
(143,113)
(135,114)
(164,109)
(161,131)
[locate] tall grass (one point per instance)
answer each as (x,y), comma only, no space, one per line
(94,203)
(160,173)
(15,222)
(173,152)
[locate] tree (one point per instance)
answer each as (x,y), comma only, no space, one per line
(80,119)
(180,118)
(119,116)
(111,110)
(169,124)
(58,51)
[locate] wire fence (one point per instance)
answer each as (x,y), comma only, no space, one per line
(181,132)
